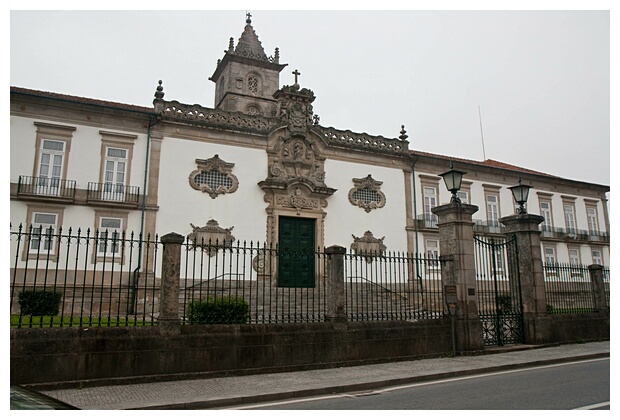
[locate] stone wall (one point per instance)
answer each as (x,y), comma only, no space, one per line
(65,357)
(571,328)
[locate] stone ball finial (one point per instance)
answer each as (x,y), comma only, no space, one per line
(403,133)
(249,18)
(159,92)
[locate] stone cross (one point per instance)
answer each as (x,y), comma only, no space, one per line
(296,73)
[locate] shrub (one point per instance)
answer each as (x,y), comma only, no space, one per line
(39,302)
(218,310)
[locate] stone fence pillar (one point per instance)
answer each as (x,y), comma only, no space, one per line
(458,269)
(535,322)
(335,284)
(170,277)
(598,287)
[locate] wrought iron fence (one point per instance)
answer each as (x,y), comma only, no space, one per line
(244,272)
(377,287)
(81,278)
(606,285)
(97,278)
(499,290)
(568,289)
(392,286)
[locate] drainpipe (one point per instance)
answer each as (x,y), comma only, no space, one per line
(415,221)
(136,272)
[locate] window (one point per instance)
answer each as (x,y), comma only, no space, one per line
(116,155)
(492,209)
(499,261)
(465,192)
(53,144)
(109,235)
(50,167)
(550,255)
(569,216)
(45,223)
(592,220)
(430,201)
(367,194)
(214,176)
(545,211)
(43,229)
(432,253)
(115,172)
(253,83)
(597,257)
(573,256)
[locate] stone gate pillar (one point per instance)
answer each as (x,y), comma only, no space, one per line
(170,278)
(456,247)
(335,284)
(535,321)
(598,288)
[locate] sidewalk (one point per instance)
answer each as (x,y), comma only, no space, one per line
(227,391)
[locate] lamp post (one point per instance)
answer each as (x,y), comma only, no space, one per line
(520,193)
(453,179)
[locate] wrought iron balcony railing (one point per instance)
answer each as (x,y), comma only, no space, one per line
(483,226)
(427,221)
(44,186)
(105,191)
(547,231)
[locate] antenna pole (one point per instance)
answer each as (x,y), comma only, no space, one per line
(484,156)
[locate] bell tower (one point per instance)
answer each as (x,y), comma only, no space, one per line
(246,79)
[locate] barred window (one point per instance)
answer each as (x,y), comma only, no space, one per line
(214,176)
(367,196)
(213,179)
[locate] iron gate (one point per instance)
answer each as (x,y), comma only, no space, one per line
(499,291)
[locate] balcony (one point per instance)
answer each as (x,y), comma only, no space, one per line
(54,189)
(113,194)
(573,234)
(426,221)
(487,227)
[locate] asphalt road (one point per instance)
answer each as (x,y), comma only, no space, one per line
(566,386)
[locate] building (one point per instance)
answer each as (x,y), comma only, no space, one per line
(258,166)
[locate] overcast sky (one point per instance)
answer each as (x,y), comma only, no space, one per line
(540,79)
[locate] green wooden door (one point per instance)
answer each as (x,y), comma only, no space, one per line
(296,252)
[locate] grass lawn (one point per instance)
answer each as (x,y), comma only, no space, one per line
(27,321)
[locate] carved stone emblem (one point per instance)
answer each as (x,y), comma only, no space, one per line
(368,246)
(262,265)
(211,237)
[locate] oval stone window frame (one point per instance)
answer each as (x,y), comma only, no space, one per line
(215,170)
(367,194)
